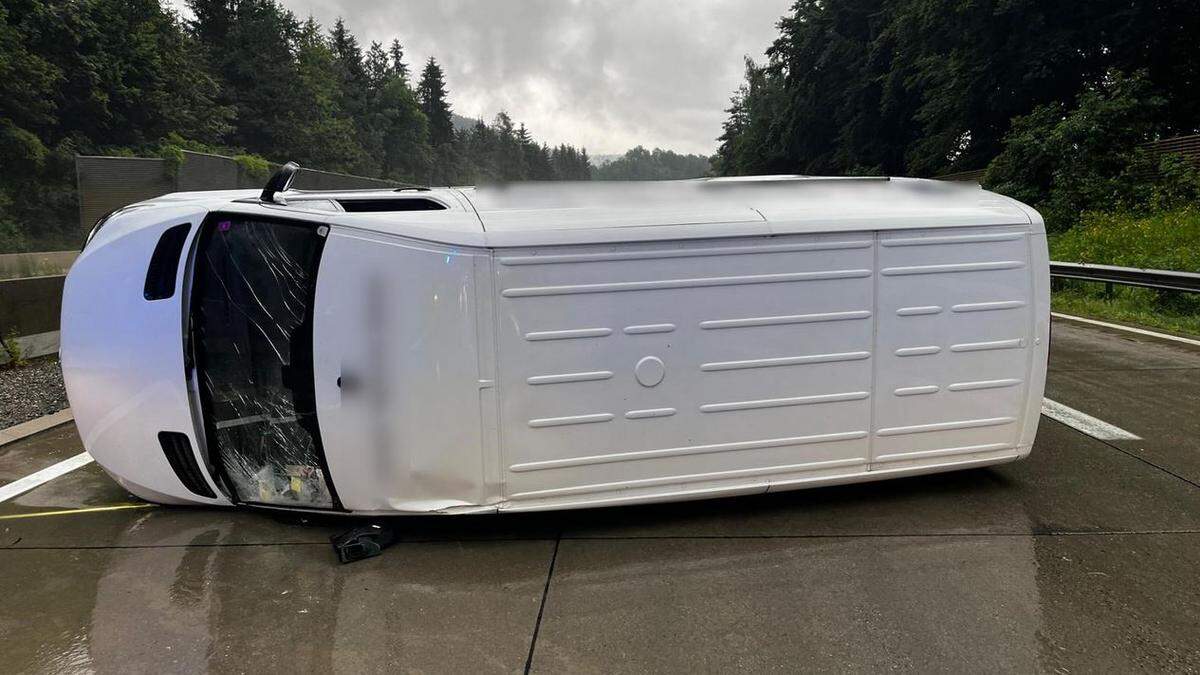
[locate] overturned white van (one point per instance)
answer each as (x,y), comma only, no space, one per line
(552,346)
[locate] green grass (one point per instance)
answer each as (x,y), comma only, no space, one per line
(1128,305)
(1167,240)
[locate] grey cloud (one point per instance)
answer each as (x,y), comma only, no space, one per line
(606,74)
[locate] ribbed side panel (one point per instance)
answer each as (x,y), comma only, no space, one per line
(651,365)
(955,333)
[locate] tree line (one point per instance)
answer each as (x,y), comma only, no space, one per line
(1053,97)
(237,77)
(244,75)
(641,164)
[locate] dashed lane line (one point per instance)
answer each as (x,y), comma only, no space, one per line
(1080,421)
(33,480)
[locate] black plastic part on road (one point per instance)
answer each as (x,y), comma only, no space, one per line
(362,542)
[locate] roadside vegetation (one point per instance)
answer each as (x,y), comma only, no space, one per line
(1168,240)
(1132,306)
(1057,101)
(1107,199)
(243,78)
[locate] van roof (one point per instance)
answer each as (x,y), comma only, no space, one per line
(554,213)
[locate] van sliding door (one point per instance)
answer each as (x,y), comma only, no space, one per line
(251,330)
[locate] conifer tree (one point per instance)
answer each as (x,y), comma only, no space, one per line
(378,69)
(396,54)
(431,92)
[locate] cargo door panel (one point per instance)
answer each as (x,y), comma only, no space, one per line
(655,366)
(956,336)
(397,376)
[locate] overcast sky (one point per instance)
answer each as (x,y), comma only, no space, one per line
(604,74)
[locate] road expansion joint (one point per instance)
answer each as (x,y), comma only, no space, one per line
(537,625)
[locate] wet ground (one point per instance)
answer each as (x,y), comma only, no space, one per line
(1084,557)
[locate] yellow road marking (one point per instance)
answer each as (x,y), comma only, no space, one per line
(69,512)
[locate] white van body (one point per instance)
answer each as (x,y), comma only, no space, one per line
(554,346)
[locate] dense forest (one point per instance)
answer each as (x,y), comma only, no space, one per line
(1055,101)
(243,76)
(246,78)
(1053,97)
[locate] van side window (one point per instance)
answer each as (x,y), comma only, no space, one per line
(164,263)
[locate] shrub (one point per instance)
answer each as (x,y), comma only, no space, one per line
(12,348)
(1165,240)
(1067,160)
(13,238)
(173,155)
(254,167)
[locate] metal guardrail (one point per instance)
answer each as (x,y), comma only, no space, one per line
(1164,280)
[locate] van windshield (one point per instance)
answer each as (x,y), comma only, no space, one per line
(253,286)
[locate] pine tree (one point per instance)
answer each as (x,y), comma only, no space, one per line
(509,162)
(431,92)
(263,97)
(406,153)
(323,135)
(585,165)
(378,69)
(349,59)
(399,68)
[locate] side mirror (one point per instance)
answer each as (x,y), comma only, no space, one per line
(278,183)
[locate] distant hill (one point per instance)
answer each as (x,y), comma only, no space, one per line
(462,123)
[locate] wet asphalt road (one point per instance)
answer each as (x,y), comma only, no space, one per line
(1084,557)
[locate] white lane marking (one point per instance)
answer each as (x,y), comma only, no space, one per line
(23,485)
(1096,428)
(1128,329)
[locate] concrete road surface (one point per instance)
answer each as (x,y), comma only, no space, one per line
(1084,557)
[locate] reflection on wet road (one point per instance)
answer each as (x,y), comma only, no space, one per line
(1082,557)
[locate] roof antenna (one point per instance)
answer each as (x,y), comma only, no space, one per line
(279,183)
